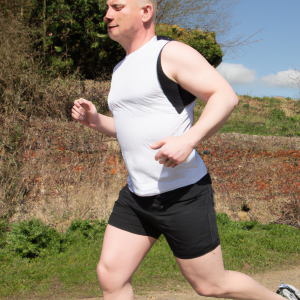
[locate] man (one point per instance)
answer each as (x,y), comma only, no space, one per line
(169,192)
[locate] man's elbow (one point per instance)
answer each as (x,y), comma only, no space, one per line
(232,98)
(235,100)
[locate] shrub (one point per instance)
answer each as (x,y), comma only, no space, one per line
(31,239)
(73,37)
(4,228)
(87,228)
(204,42)
(277,114)
(223,219)
(76,37)
(275,101)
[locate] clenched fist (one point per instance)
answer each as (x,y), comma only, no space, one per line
(85,113)
(173,150)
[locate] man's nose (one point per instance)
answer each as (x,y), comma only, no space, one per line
(108,18)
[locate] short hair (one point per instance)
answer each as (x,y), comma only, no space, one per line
(153,2)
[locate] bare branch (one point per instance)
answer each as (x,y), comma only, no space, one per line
(206,15)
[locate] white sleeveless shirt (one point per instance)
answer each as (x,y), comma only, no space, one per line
(143,115)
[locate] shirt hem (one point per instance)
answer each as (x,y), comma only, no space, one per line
(172,187)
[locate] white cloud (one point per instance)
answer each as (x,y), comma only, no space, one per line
(236,74)
(283,79)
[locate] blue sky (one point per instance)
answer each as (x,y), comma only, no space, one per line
(277,53)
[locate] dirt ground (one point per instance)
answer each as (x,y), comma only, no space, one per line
(270,279)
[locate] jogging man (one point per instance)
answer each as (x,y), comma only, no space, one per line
(153,91)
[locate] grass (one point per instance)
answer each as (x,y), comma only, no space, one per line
(261,116)
(72,273)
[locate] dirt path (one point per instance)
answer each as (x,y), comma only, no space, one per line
(271,280)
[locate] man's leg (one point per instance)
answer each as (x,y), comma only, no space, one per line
(207,276)
(122,253)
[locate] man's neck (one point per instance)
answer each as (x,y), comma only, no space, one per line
(139,40)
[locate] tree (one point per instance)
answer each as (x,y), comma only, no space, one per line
(205,15)
(73,37)
(203,41)
(77,39)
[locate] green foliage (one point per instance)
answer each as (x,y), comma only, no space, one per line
(31,239)
(261,116)
(222,219)
(274,101)
(87,229)
(203,42)
(76,37)
(277,114)
(4,228)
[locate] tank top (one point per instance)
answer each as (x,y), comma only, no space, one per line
(147,106)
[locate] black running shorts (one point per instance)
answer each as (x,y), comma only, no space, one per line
(185,216)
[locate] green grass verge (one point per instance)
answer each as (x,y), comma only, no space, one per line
(261,116)
(72,273)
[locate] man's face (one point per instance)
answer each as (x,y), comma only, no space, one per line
(123,19)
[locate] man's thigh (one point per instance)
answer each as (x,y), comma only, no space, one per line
(204,270)
(122,252)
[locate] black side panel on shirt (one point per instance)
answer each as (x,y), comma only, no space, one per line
(178,96)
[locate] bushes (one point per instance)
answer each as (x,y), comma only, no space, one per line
(204,42)
(277,114)
(25,87)
(73,37)
(76,37)
(87,229)
(4,228)
(32,239)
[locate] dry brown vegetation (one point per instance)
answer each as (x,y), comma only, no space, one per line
(255,177)
(42,159)
(61,171)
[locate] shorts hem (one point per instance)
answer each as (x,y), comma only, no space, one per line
(195,255)
(131,230)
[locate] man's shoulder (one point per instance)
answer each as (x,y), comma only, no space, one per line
(177,50)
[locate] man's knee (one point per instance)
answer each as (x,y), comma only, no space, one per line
(110,280)
(209,290)
(104,276)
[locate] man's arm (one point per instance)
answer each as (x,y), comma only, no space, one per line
(86,113)
(187,67)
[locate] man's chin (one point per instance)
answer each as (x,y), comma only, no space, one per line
(112,36)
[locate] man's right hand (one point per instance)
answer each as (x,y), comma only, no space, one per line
(85,113)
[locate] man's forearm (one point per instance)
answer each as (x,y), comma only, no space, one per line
(215,114)
(105,125)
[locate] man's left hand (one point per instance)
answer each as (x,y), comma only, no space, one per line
(173,151)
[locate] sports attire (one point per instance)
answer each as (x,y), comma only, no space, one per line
(147,106)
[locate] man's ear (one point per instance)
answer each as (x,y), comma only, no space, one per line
(147,13)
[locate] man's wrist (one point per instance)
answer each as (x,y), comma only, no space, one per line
(193,139)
